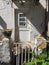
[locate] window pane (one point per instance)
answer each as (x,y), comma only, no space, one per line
(21,15)
(22,23)
(22,19)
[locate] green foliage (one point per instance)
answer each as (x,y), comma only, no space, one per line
(42,56)
(47,59)
(30,63)
(39,59)
(45,63)
(35,61)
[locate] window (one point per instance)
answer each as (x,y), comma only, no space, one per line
(21,20)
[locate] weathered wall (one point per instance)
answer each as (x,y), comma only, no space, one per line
(6,16)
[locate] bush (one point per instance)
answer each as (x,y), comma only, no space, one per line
(35,61)
(45,63)
(42,56)
(30,63)
(39,59)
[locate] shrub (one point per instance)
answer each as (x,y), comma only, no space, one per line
(30,63)
(42,56)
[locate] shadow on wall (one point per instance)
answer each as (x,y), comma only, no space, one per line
(3,23)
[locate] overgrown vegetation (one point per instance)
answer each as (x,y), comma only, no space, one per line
(40,59)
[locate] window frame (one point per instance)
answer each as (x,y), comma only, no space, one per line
(21,26)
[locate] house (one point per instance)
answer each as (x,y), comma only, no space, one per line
(26,18)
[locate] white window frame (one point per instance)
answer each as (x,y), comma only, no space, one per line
(21,26)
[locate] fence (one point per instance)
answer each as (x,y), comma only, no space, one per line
(23,54)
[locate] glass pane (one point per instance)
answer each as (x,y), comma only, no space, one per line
(22,19)
(22,23)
